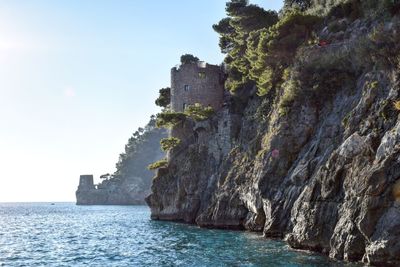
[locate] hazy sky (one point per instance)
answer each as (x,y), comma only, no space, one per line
(77,77)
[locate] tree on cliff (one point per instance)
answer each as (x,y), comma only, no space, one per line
(302,4)
(143,147)
(106,176)
(259,46)
(164,98)
(189,59)
(243,18)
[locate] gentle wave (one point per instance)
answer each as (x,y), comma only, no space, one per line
(40,234)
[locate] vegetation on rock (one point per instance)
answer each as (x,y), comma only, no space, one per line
(162,163)
(234,30)
(131,181)
(169,143)
(164,97)
(313,157)
(198,113)
(169,119)
(259,46)
(142,148)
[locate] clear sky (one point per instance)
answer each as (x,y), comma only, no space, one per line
(77,77)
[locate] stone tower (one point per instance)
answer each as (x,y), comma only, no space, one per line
(197,83)
(86,182)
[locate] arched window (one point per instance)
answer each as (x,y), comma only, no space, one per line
(186,87)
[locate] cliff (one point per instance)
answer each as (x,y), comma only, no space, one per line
(316,161)
(131,182)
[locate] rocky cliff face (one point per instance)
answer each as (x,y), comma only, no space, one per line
(323,175)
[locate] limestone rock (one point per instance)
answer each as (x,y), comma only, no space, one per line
(334,186)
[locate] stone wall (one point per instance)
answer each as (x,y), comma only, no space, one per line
(196,83)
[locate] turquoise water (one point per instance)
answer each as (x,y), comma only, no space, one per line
(69,235)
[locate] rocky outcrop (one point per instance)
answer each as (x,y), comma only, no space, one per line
(130,184)
(324,176)
(111,192)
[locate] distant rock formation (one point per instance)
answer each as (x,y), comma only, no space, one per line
(130,184)
(110,192)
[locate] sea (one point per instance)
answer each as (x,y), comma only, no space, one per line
(63,234)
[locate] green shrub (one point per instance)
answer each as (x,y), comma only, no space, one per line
(158,164)
(169,143)
(301,4)
(164,98)
(169,119)
(349,9)
(234,30)
(272,50)
(198,113)
(266,81)
(317,77)
(291,89)
(189,59)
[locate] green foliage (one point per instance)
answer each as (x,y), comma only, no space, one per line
(317,76)
(169,143)
(259,46)
(158,164)
(290,94)
(140,150)
(243,18)
(272,50)
(169,119)
(301,4)
(199,113)
(350,9)
(189,59)
(164,98)
(226,31)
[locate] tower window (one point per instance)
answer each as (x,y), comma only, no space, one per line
(186,88)
(202,75)
(184,106)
